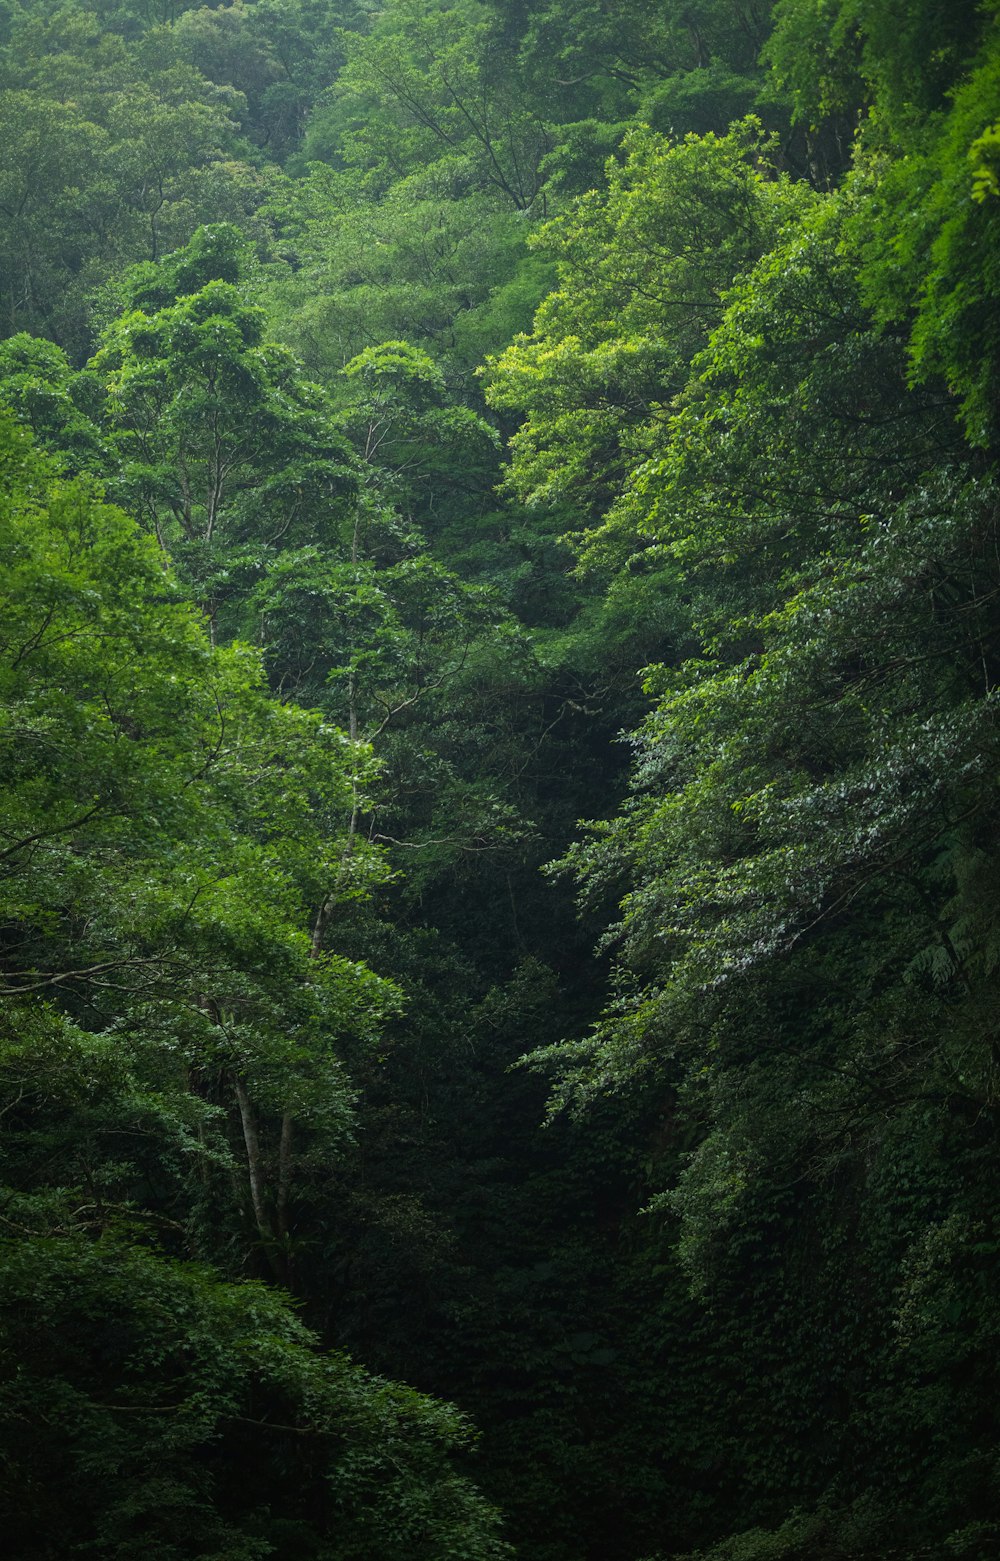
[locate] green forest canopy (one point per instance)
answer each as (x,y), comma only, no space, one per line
(499,853)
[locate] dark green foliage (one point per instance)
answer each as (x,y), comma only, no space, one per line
(149,1408)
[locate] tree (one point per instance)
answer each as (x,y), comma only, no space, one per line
(798,871)
(642,269)
(434,83)
(111,156)
(51,153)
(140,1395)
(227,453)
(279,55)
(171,836)
(442,269)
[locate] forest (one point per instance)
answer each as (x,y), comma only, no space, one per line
(500,824)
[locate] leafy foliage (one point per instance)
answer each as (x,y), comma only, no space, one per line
(708,555)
